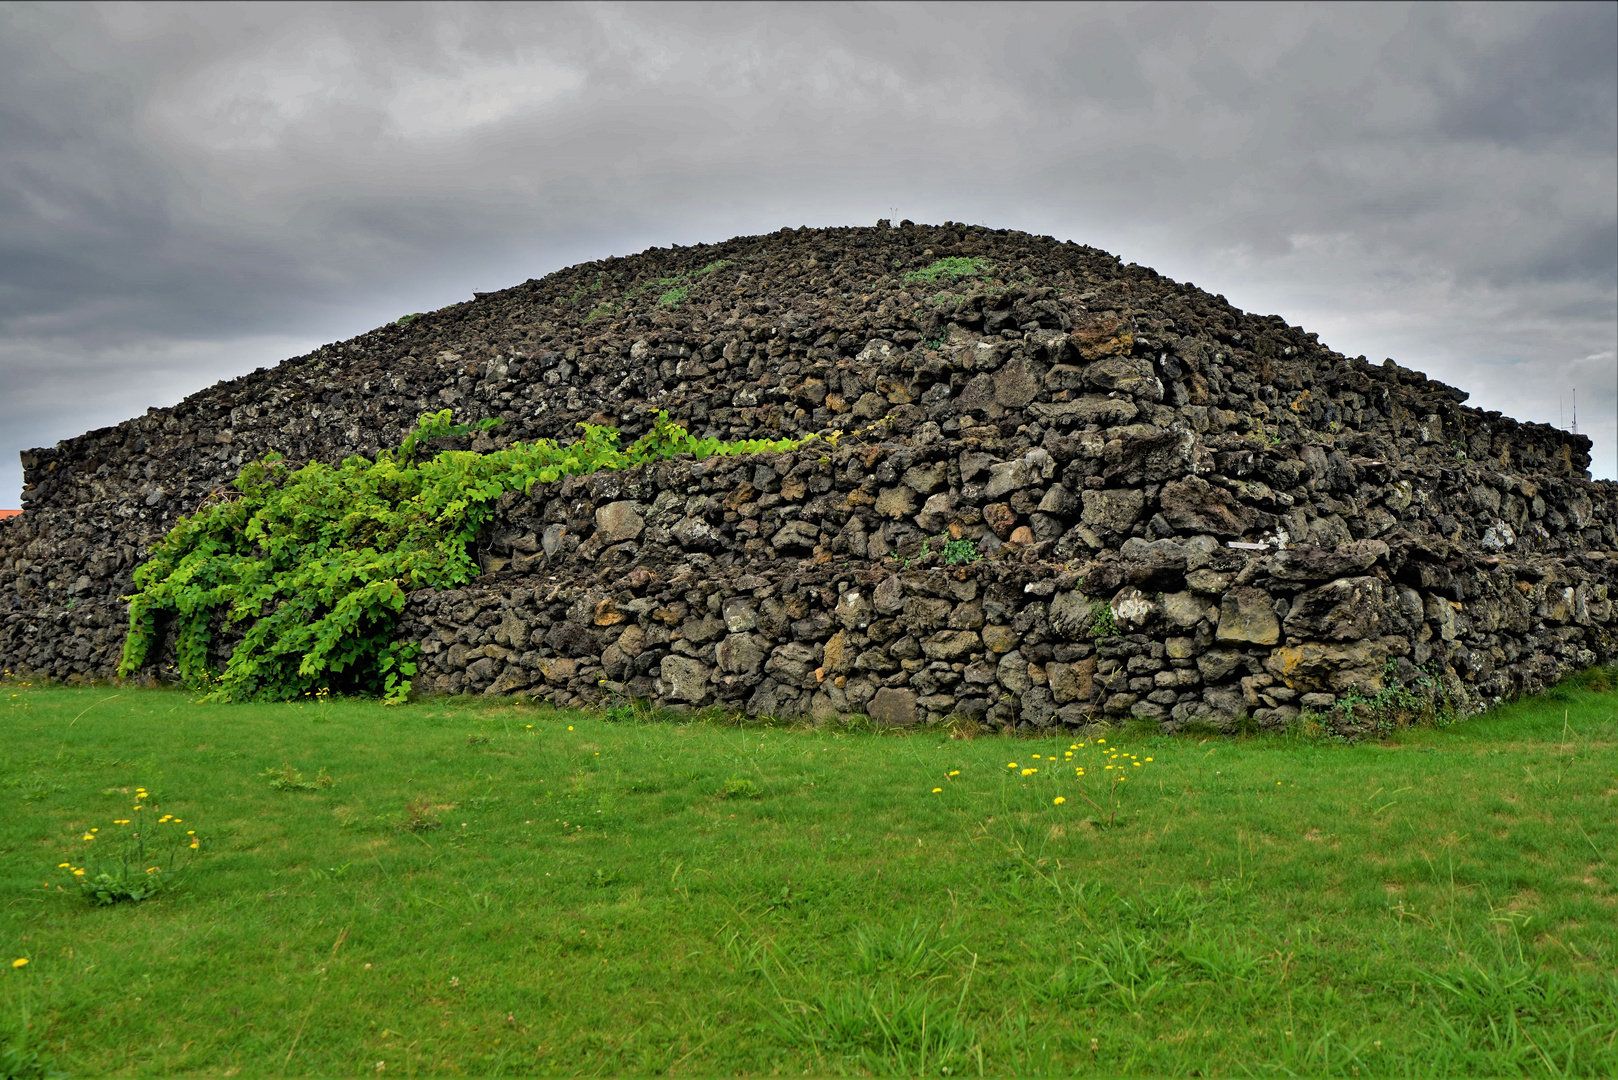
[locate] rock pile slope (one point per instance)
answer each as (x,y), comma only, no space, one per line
(1053,489)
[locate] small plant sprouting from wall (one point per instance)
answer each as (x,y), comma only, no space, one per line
(317,561)
(1102,623)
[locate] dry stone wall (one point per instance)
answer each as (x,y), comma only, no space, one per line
(1185,512)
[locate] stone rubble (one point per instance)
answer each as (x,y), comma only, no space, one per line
(1184,512)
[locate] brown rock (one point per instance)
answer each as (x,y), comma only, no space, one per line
(684,679)
(1248,614)
(1001,518)
(1104,337)
(1000,639)
(892,707)
(1194,505)
(557,670)
(1185,610)
(951,645)
(1313,665)
(1017,383)
(1071,682)
(1125,374)
(618,521)
(739,654)
(836,657)
(607,613)
(1092,409)
(1209,582)
(1344,610)
(896,502)
(1112,512)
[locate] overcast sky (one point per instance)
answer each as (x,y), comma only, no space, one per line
(190,192)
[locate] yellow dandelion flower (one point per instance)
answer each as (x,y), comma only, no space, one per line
(955,772)
(121,821)
(194,844)
(21,961)
(1011,764)
(1029,772)
(78,873)
(1148,759)
(151,869)
(178,820)
(1059,800)
(1100,742)
(1112,766)
(89,836)
(164,818)
(190,832)
(1136,764)
(1073,746)
(1036,757)
(936,790)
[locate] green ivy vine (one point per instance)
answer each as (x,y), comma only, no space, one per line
(318,560)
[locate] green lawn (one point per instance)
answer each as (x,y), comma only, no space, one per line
(637,897)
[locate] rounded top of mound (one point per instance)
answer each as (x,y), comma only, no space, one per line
(988,339)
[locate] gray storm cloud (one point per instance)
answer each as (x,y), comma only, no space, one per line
(187,193)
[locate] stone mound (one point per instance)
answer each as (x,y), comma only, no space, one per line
(1051,489)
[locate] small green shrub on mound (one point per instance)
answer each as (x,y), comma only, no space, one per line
(318,560)
(952,268)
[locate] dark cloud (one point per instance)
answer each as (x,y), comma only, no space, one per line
(190,192)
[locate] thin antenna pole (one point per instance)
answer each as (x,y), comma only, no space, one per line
(1575,412)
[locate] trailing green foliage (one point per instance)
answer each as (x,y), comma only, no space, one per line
(317,561)
(950,269)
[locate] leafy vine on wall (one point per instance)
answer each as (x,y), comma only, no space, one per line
(318,560)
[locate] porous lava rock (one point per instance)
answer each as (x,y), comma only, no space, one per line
(1181,511)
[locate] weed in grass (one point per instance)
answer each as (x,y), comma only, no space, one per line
(420,816)
(740,787)
(286,778)
(140,857)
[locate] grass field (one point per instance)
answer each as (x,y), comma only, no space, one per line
(484,888)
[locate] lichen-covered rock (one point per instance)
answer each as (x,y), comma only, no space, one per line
(684,679)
